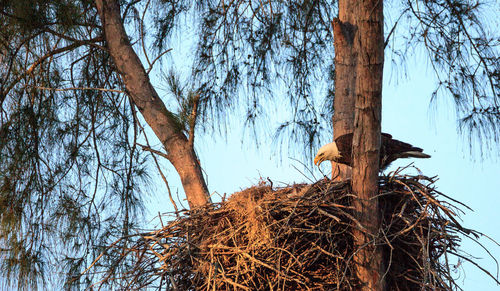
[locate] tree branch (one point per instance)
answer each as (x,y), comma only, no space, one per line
(192,120)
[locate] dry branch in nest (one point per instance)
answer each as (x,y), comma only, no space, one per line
(296,238)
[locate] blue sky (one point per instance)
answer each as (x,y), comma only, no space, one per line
(474,181)
(232,165)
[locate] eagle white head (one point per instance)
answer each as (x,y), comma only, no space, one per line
(327,152)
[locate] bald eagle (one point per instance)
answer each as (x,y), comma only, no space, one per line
(390,149)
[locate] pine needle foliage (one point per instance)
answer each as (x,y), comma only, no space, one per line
(70,172)
(72,178)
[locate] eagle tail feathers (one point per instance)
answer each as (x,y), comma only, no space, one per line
(414,154)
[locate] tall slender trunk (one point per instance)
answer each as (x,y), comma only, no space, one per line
(366,141)
(145,97)
(344,30)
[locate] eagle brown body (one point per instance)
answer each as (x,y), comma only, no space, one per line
(391,149)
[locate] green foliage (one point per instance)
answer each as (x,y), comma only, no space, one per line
(462,44)
(252,53)
(265,48)
(71,175)
(37,15)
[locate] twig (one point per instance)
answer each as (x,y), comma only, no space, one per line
(147,148)
(77,89)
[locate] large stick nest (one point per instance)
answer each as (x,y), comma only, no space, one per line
(297,238)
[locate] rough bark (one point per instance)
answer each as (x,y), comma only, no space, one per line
(366,141)
(344,30)
(144,96)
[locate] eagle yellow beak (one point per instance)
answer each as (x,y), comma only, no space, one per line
(318,160)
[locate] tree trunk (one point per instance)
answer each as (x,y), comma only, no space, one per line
(366,141)
(145,97)
(344,30)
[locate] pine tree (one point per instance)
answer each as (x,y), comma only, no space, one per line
(75,91)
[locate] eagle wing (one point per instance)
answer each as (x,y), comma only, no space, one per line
(393,149)
(390,150)
(344,145)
